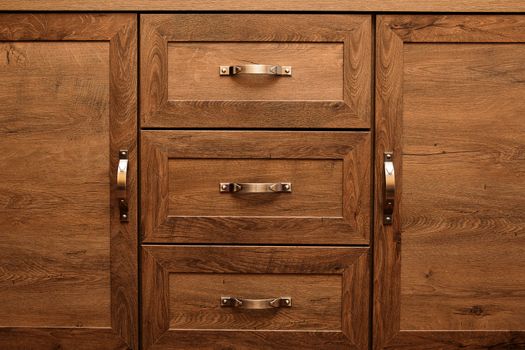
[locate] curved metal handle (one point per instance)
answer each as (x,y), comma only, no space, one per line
(256,304)
(234,187)
(258,69)
(389,190)
(122,183)
(122,170)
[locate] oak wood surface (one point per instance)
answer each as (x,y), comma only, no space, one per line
(267,5)
(67,265)
(167,102)
(51,203)
(317,187)
(449,273)
(191,317)
(317,71)
(182,204)
(470,206)
(194,301)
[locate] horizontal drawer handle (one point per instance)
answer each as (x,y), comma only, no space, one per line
(256,304)
(259,69)
(234,187)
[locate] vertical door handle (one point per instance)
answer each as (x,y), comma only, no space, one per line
(389,189)
(122,183)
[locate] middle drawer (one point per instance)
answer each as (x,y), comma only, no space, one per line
(256,187)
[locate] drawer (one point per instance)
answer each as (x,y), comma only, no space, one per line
(292,71)
(230,187)
(276,297)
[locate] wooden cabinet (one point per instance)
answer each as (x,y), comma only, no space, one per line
(68,269)
(184,289)
(327,85)
(287,200)
(450,270)
(327,202)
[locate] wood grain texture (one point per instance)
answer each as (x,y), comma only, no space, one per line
(51,211)
(68,267)
(266,5)
(317,71)
(449,272)
(476,218)
(254,220)
(166,268)
(317,187)
(194,301)
(160,32)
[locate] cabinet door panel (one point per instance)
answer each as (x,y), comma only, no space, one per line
(450,271)
(68,265)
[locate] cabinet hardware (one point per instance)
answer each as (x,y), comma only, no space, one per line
(122,179)
(256,304)
(389,190)
(122,171)
(234,187)
(258,69)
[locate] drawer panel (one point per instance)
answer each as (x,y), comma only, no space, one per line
(327,85)
(197,308)
(184,287)
(193,71)
(328,201)
(317,185)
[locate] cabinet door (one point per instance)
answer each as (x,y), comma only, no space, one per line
(450,269)
(67,263)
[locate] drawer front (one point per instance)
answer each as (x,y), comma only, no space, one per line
(291,71)
(188,294)
(256,187)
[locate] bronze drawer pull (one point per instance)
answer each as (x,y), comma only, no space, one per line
(256,304)
(234,187)
(257,69)
(122,183)
(389,190)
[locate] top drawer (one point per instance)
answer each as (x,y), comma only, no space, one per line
(293,71)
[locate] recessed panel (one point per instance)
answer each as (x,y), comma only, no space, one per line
(316,71)
(195,301)
(462,210)
(317,187)
(54,184)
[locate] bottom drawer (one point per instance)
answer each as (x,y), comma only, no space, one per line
(218,297)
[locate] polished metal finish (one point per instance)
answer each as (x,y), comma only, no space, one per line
(258,69)
(389,190)
(122,179)
(256,304)
(234,187)
(122,171)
